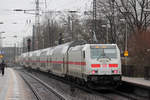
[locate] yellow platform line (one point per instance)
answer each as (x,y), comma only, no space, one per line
(12,87)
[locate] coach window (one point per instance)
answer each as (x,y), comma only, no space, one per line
(84,54)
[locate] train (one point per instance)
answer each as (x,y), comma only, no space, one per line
(94,65)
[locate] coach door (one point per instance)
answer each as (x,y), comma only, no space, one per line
(65,63)
(83,63)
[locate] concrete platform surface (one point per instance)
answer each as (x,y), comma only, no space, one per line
(138,81)
(12,87)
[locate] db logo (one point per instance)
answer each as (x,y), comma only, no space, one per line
(104,65)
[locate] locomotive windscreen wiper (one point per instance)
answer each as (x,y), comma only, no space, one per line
(108,57)
(103,56)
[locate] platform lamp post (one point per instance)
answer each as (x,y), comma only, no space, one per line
(15,49)
(1,32)
(126,43)
(1,52)
(1,38)
(71,18)
(106,26)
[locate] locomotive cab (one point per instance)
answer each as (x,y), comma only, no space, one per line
(103,65)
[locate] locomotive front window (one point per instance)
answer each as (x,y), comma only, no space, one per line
(103,53)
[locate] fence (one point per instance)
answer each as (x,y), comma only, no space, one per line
(147,72)
(128,70)
(136,71)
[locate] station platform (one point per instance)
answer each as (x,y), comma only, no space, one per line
(12,87)
(137,81)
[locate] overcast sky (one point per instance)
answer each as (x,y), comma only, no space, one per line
(16,23)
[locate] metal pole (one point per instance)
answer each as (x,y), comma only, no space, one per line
(45,4)
(126,38)
(106,33)
(49,39)
(126,45)
(113,18)
(43,42)
(72,23)
(22,47)
(37,24)
(72,28)
(69,28)
(14,52)
(145,14)
(0,41)
(33,38)
(94,20)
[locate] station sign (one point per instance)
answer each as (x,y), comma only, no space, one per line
(126,53)
(1,56)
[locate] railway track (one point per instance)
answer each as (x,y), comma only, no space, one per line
(41,90)
(112,95)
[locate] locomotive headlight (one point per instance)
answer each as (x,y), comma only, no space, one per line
(94,71)
(115,71)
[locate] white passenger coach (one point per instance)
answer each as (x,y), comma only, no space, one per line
(97,65)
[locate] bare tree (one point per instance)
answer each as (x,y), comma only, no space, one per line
(135,12)
(107,15)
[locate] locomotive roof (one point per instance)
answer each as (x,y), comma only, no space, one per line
(108,45)
(65,47)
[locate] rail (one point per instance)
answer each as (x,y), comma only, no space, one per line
(61,97)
